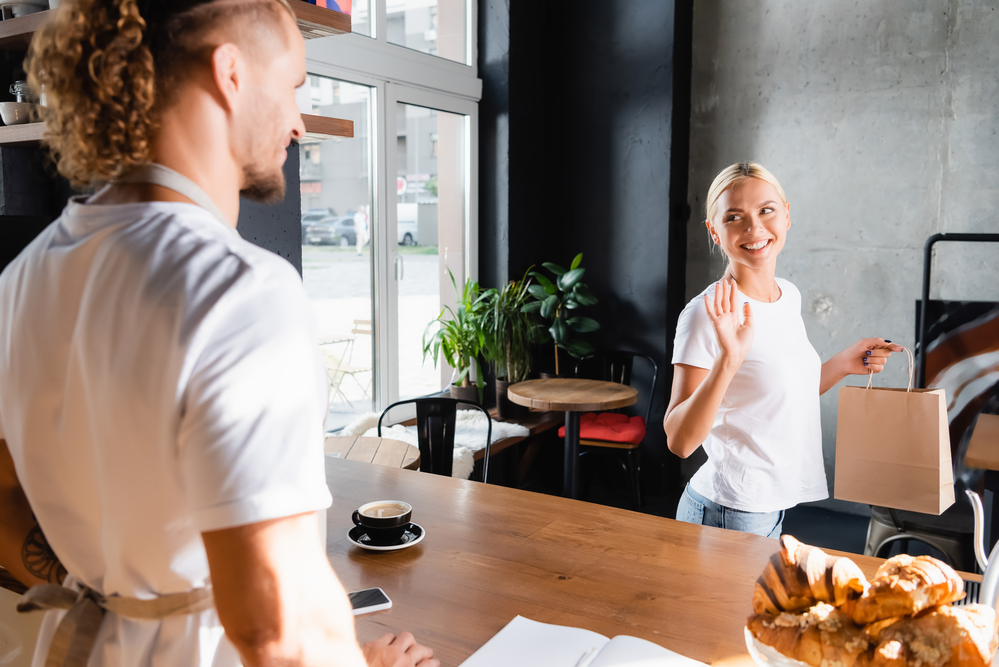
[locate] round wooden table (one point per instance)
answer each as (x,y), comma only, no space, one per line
(379,451)
(572,396)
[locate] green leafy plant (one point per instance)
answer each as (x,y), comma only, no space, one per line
(459,336)
(554,299)
(510,329)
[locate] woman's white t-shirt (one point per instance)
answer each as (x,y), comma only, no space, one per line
(765,448)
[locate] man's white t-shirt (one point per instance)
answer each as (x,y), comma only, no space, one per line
(765,448)
(159,377)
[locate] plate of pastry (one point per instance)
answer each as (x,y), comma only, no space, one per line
(813,609)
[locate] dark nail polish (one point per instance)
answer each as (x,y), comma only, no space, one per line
(887,341)
(865,362)
(868,353)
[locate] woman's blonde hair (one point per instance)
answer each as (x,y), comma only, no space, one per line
(737,173)
(108,67)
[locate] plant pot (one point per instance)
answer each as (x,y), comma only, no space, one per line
(505,408)
(546,360)
(469,393)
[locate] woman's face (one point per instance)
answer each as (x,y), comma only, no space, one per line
(750,223)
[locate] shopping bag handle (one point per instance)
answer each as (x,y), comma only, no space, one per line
(908,357)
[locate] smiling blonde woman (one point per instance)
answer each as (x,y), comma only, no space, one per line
(746,380)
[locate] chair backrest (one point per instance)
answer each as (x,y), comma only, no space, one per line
(362,327)
(435,422)
(616,366)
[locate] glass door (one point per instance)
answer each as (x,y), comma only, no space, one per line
(338,220)
(430,223)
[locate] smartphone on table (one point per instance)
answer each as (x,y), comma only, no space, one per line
(369,600)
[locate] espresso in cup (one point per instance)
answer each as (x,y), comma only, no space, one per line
(384,521)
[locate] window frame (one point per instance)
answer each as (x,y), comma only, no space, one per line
(398,74)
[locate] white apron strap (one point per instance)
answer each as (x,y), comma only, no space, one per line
(166,177)
(75,635)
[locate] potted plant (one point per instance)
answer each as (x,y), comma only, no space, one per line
(460,338)
(555,299)
(510,330)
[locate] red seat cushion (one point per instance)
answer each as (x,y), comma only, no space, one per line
(609,426)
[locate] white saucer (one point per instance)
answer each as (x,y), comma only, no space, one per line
(413,535)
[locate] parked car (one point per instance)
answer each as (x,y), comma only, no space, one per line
(310,219)
(407,232)
(330,230)
(406,216)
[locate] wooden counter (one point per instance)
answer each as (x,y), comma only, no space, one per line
(492,552)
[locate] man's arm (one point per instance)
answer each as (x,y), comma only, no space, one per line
(24,551)
(281,604)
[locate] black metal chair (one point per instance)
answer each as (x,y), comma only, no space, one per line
(952,533)
(435,418)
(616,366)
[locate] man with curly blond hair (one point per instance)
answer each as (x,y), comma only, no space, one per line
(161,394)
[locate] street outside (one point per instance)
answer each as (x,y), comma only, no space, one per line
(338,283)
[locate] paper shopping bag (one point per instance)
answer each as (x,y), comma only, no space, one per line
(893,448)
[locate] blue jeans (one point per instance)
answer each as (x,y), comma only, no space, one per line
(695,508)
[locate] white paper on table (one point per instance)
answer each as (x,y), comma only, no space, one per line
(527,643)
(624,651)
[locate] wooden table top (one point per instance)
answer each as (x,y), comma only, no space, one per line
(492,552)
(983,450)
(572,394)
(380,451)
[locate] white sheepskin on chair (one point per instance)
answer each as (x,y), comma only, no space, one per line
(470,430)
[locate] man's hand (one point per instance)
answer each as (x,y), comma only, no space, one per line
(398,651)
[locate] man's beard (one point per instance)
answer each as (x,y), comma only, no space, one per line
(263,186)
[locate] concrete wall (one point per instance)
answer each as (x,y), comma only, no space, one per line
(881,120)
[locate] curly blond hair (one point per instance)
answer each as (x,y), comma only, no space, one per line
(108,67)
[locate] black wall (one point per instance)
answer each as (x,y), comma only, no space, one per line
(583,148)
(32,195)
(277,227)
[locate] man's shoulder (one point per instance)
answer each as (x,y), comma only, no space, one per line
(189,239)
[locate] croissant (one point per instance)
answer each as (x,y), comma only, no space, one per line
(798,576)
(944,636)
(821,636)
(904,586)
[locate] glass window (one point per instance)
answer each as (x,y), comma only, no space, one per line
(437,27)
(336,250)
(360,15)
(430,214)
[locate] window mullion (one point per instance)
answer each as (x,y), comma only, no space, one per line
(381,21)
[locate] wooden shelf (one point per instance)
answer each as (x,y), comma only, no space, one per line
(21,136)
(16,34)
(313,22)
(321,128)
(317,128)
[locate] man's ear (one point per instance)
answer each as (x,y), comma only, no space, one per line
(227,70)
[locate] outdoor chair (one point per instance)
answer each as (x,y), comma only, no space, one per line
(339,367)
(615,430)
(435,423)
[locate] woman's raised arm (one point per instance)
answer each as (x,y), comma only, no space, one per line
(697,393)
